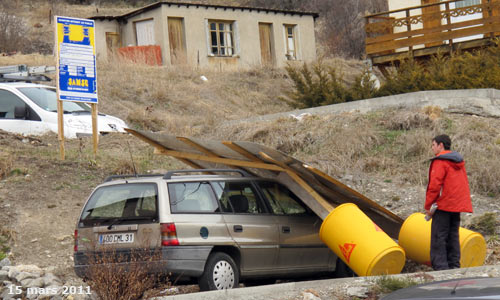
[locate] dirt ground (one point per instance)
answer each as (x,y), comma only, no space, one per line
(42,197)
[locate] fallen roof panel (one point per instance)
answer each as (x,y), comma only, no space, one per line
(319,191)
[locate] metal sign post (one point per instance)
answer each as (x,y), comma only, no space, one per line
(76,65)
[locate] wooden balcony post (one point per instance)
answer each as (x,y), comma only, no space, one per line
(408,27)
(448,21)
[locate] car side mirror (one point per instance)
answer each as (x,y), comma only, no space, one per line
(20,112)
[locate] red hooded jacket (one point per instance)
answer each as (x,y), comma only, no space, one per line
(448,185)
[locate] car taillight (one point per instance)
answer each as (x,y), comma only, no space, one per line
(75,248)
(169,235)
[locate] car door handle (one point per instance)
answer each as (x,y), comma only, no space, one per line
(238,228)
(285,229)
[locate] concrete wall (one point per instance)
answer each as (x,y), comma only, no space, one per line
(100,35)
(245,34)
(481,102)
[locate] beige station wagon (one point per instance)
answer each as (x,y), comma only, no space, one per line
(219,229)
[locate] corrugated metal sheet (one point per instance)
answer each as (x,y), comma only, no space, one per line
(318,190)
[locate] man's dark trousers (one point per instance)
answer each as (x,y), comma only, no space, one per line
(445,244)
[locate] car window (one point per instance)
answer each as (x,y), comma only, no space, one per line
(191,197)
(281,199)
(122,201)
(238,197)
(46,98)
(8,103)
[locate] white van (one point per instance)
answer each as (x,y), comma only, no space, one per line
(31,109)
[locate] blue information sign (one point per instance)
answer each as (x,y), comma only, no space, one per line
(76,54)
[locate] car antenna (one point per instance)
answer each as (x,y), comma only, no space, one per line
(132,159)
(463,275)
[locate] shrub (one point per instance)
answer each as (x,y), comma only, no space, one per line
(409,76)
(115,276)
(485,224)
(386,284)
(5,237)
(323,85)
(364,86)
(460,70)
(5,164)
(12,32)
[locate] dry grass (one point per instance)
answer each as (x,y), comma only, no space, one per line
(178,101)
(5,164)
(392,143)
(116,276)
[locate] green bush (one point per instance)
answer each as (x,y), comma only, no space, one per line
(319,86)
(485,224)
(386,284)
(4,243)
(322,85)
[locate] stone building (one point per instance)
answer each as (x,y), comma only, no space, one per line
(210,35)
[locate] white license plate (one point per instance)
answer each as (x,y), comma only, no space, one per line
(116,238)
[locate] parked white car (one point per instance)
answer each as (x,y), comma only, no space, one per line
(31,109)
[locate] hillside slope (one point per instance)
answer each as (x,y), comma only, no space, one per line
(42,196)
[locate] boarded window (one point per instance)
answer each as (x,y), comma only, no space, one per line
(266,51)
(145,32)
(291,46)
(221,38)
(112,41)
(176,41)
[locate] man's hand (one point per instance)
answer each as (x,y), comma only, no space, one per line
(428,213)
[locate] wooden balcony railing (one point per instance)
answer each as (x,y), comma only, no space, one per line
(429,25)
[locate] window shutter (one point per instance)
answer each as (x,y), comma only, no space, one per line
(207,37)
(236,37)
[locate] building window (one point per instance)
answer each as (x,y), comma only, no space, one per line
(291,49)
(466,3)
(221,38)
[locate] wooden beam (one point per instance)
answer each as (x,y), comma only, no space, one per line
(410,8)
(345,187)
(209,152)
(157,145)
(325,204)
(441,28)
(241,151)
(220,160)
(197,146)
(387,59)
(303,195)
(439,36)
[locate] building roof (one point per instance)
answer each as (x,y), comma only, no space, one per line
(198,5)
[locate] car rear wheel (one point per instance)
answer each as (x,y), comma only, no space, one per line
(221,272)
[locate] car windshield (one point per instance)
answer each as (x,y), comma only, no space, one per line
(46,98)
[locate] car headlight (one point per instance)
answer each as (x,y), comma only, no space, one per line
(79,125)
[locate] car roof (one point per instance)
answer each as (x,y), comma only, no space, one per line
(179,178)
(23,84)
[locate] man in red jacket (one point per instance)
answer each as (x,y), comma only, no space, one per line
(449,188)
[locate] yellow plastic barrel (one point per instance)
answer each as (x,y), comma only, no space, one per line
(415,238)
(360,243)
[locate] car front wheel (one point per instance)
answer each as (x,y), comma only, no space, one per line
(220,273)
